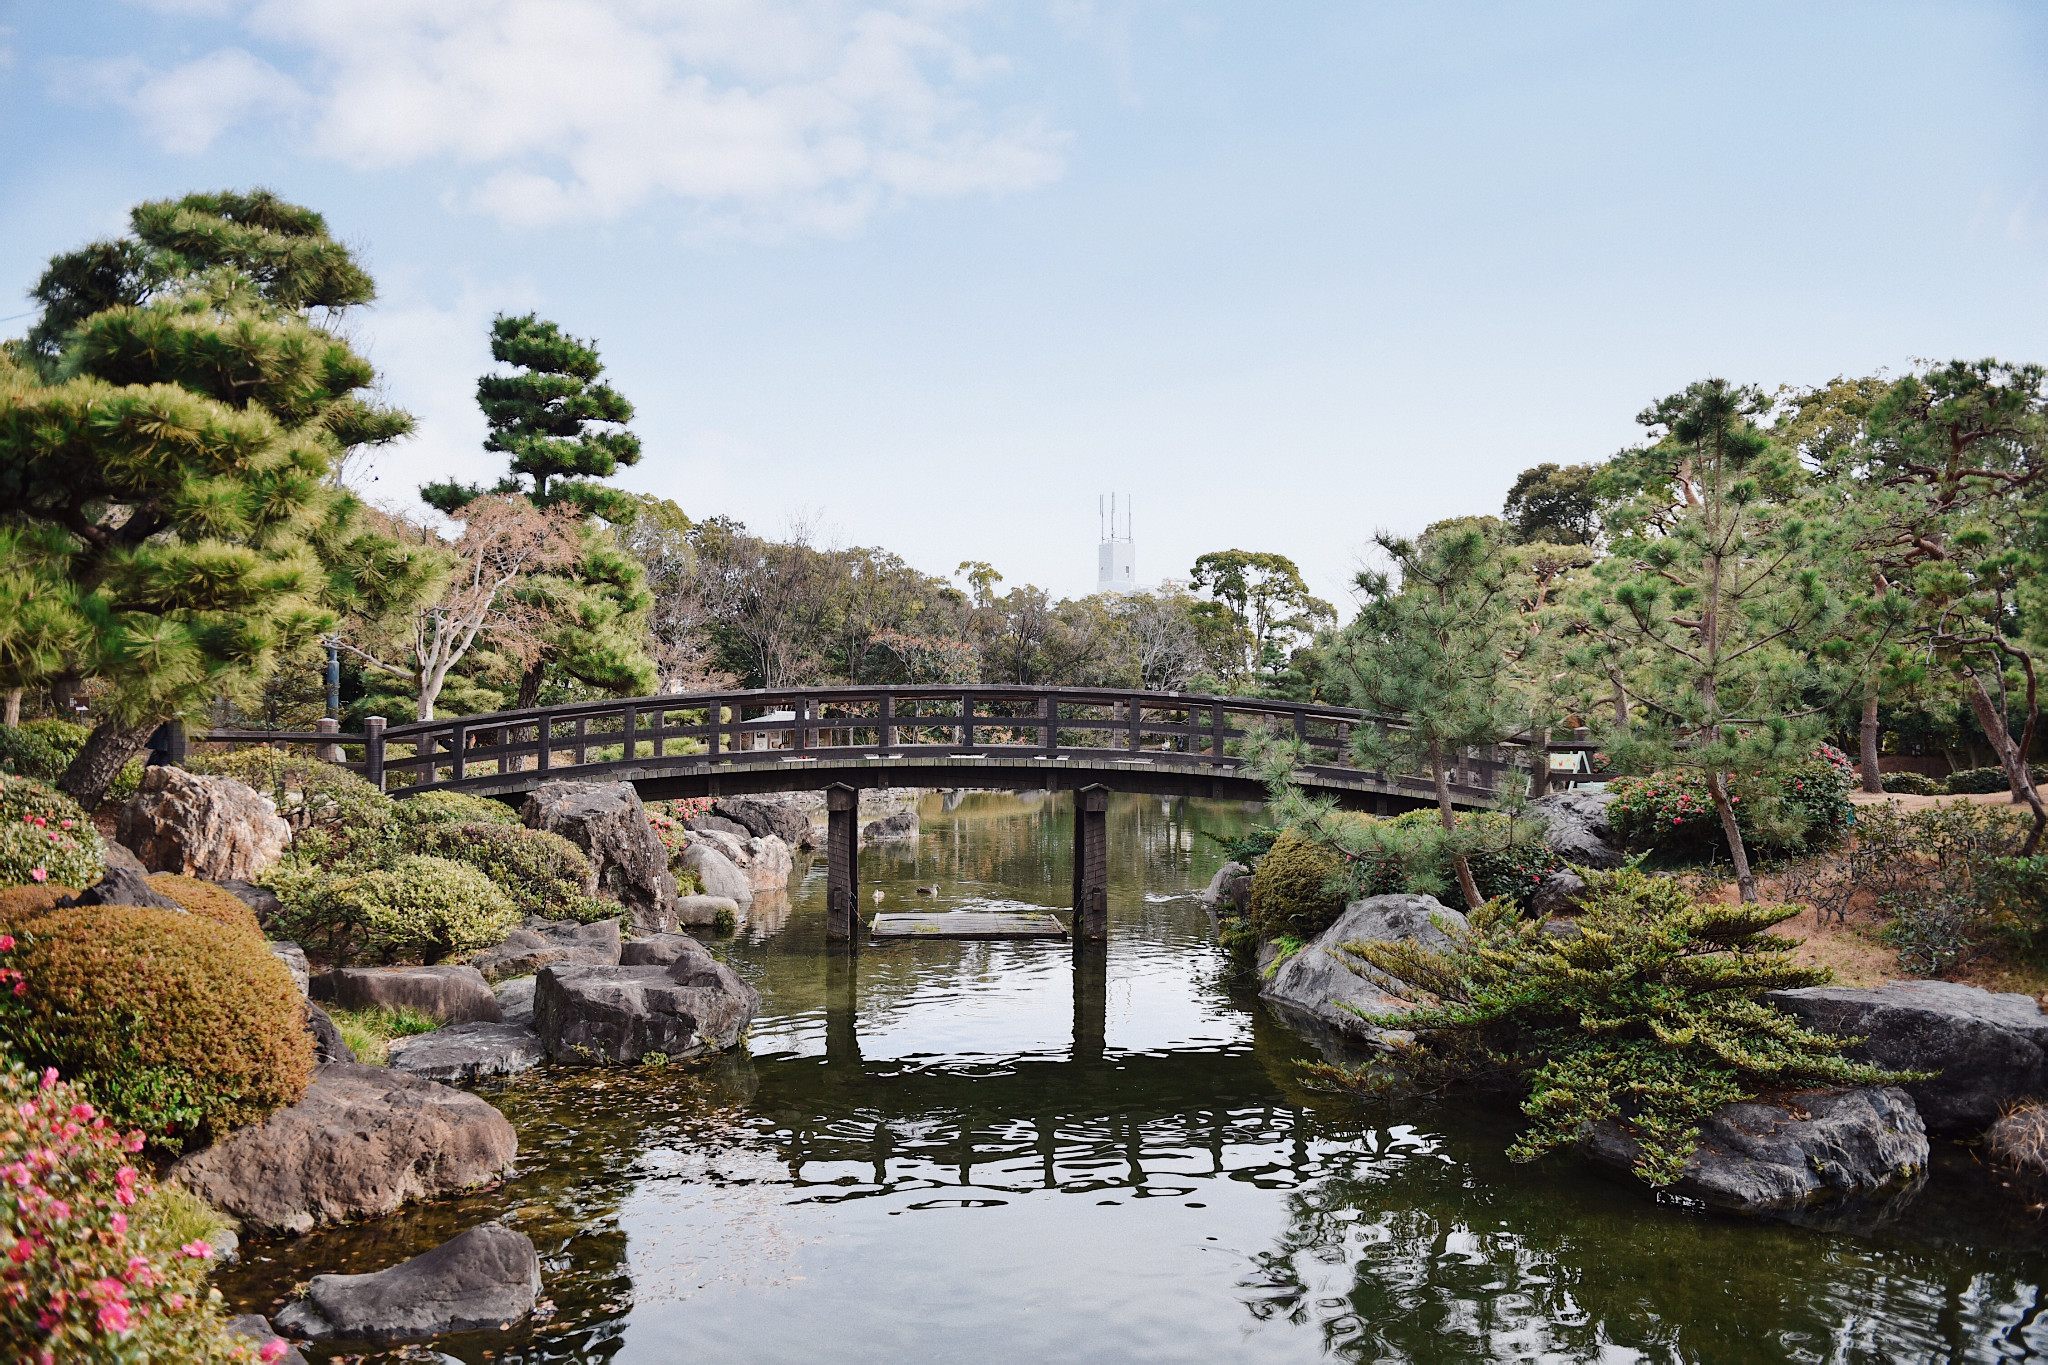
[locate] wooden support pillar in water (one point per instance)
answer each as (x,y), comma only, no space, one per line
(1091,999)
(1091,863)
(842,862)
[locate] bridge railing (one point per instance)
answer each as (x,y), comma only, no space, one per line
(818,723)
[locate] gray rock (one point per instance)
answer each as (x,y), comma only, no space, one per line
(119,886)
(227,1246)
(120,855)
(1576,826)
(211,827)
(294,959)
(1989,1050)
(327,1043)
(1325,986)
(515,1001)
(701,912)
(902,825)
(1559,894)
(465,1053)
(763,818)
(454,995)
(607,821)
(595,1015)
(256,1327)
(662,950)
(704,824)
(488,1277)
(260,899)
(362,1142)
(767,864)
(1230,890)
(540,942)
(1815,1146)
(717,874)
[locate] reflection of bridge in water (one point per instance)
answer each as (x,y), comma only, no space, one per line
(1091,1121)
(841,739)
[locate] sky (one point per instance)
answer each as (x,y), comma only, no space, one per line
(932,276)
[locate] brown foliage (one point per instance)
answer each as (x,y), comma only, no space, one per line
(208,901)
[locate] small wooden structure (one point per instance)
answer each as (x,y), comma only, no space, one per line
(969,924)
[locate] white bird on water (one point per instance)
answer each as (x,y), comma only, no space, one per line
(878,898)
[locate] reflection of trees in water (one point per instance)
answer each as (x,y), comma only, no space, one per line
(1398,1254)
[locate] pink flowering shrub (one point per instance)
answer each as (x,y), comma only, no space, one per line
(85,1276)
(45,838)
(1802,808)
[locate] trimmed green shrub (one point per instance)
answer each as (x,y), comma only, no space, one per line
(1913,784)
(455,807)
(168,1021)
(1298,888)
(1803,807)
(45,837)
(29,755)
(1983,781)
(1650,1016)
(208,901)
(417,907)
(541,872)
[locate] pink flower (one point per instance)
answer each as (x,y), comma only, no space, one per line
(39,874)
(6,943)
(114,1317)
(81,1110)
(21,988)
(119,1223)
(23,1250)
(176,1303)
(49,1077)
(125,1177)
(272,1350)
(60,1210)
(126,1196)
(198,1251)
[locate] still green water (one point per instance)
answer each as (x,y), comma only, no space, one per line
(1000,1152)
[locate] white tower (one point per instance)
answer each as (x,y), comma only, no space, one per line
(1117,557)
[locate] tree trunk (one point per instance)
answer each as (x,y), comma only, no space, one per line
(1992,721)
(529,684)
(13,706)
(1873,781)
(1466,884)
(1620,707)
(107,750)
(1745,880)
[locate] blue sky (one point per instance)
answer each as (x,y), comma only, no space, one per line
(932,275)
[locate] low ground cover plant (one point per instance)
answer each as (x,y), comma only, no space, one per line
(369,1032)
(102,1264)
(1648,1016)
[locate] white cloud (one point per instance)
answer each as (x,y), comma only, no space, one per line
(755,113)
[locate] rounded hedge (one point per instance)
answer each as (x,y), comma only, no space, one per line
(1981,781)
(417,908)
(457,807)
(542,872)
(1291,893)
(208,900)
(169,1021)
(1912,784)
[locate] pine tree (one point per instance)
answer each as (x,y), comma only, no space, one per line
(543,418)
(169,434)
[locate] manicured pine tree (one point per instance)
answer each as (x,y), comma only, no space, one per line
(169,434)
(564,429)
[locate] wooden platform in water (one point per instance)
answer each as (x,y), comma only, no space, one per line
(968,924)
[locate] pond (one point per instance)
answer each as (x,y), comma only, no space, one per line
(1000,1151)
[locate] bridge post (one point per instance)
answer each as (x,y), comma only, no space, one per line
(1539,765)
(373,751)
(328,753)
(1091,863)
(1091,1000)
(842,863)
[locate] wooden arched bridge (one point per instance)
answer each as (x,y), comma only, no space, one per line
(842,739)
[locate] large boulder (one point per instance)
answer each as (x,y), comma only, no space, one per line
(1757,1157)
(619,1015)
(539,942)
(717,874)
(661,950)
(362,1142)
(768,863)
(1230,890)
(1576,827)
(486,1277)
(1988,1051)
(211,827)
(763,818)
(1326,986)
(463,1054)
(709,824)
(454,995)
(902,825)
(607,821)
